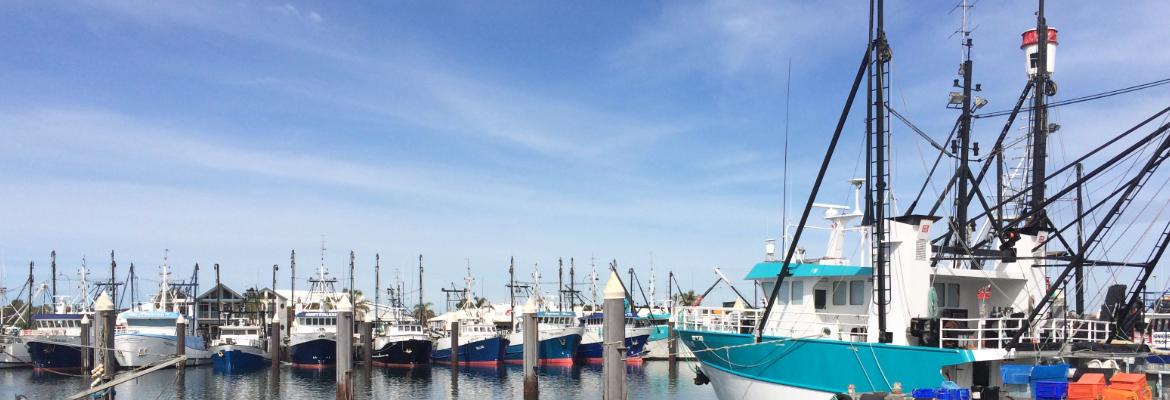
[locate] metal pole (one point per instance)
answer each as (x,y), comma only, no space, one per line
(344,349)
(531,355)
(512,292)
(113,286)
(218,298)
(29,305)
(1080,272)
(422,310)
(560,284)
(53,271)
(613,336)
(292,292)
(1039,119)
(378,284)
(572,286)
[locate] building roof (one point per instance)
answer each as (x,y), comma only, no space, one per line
(769,269)
(229,294)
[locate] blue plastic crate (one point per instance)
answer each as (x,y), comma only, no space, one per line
(954,394)
(1016,374)
(1050,373)
(1051,390)
(922,393)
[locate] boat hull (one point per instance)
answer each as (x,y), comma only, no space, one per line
(593,352)
(13,353)
(133,350)
(488,351)
(56,356)
(403,353)
(557,350)
(795,368)
(232,358)
(316,353)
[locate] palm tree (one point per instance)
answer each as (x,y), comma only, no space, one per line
(478,302)
(687,299)
(423,312)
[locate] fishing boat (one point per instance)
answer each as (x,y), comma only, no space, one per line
(242,346)
(967,300)
(401,344)
(13,352)
(637,336)
(559,332)
(148,333)
(313,341)
(480,344)
(55,342)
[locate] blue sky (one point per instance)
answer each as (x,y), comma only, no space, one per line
(232,132)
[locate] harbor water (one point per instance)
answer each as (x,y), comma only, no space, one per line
(647,381)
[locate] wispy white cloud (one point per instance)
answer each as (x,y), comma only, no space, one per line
(289,10)
(726,39)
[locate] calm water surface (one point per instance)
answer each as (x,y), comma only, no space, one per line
(648,381)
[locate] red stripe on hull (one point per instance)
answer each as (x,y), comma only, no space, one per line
(313,366)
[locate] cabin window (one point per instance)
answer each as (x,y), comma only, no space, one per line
(856,293)
(783,296)
(948,294)
(820,298)
(839,293)
(797,292)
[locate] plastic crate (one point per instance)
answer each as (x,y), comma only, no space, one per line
(1118,394)
(1015,374)
(1089,387)
(922,393)
(1131,382)
(1050,373)
(1050,390)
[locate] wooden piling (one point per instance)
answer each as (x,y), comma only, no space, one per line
(180,351)
(274,341)
(672,343)
(105,313)
(613,339)
(85,345)
(180,339)
(531,355)
(454,345)
(344,349)
(367,339)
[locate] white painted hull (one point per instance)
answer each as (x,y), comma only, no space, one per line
(657,350)
(134,351)
(731,386)
(14,354)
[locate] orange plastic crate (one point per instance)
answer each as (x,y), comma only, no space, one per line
(1089,387)
(1123,380)
(1118,394)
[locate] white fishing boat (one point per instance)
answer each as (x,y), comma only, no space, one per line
(148,334)
(242,346)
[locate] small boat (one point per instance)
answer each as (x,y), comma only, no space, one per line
(479,344)
(13,352)
(241,347)
(559,335)
(637,336)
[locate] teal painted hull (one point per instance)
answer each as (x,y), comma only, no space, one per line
(823,365)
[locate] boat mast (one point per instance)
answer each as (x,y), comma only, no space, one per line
(572,286)
(880,48)
(962,233)
(377,284)
(53,271)
(512,290)
(422,308)
(1040,87)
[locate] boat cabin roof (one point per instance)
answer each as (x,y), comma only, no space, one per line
(769,269)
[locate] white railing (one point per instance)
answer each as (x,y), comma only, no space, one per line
(851,327)
(981,333)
